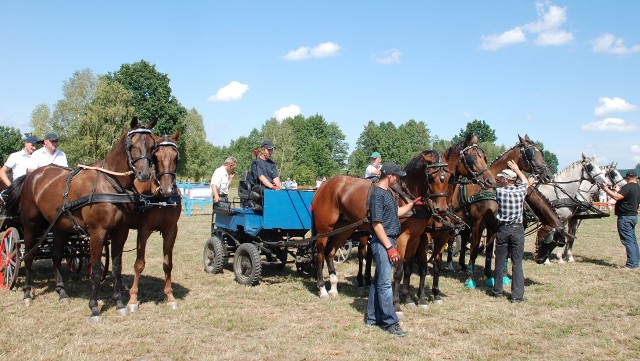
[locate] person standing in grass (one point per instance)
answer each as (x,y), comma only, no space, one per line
(626,208)
(385,221)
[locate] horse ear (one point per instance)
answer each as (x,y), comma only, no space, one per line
(152,123)
(135,123)
(176,135)
(526,137)
(520,139)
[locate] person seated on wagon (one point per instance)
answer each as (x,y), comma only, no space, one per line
(264,170)
(18,161)
(221,179)
(373,169)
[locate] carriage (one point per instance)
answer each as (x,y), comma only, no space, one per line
(257,236)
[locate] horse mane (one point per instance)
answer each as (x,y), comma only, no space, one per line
(569,167)
(416,163)
(503,154)
(11,205)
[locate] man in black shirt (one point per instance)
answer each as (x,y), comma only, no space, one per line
(627,200)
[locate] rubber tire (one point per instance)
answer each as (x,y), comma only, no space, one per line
(213,255)
(9,258)
(247,265)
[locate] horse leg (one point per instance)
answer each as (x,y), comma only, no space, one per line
(168,241)
(475,250)
(398,269)
(464,241)
(403,294)
(56,258)
(573,230)
(488,273)
(138,267)
(422,260)
(369,264)
(97,268)
(321,245)
(362,254)
(449,266)
(117,245)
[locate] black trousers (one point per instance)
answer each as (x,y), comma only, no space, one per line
(509,240)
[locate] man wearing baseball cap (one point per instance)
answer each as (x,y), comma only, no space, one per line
(49,154)
(385,221)
(18,162)
(510,195)
(264,170)
(627,201)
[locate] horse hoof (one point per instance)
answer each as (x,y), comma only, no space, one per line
(489,282)
(423,306)
(325,297)
(122,311)
(437,301)
(172,305)
(400,314)
(64,301)
(95,319)
(571,259)
(506,280)
(470,284)
(410,305)
(546,262)
(27,302)
(132,307)
(333,294)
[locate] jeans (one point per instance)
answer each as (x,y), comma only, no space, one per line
(510,240)
(627,232)
(380,306)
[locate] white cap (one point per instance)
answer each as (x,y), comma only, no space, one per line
(508,174)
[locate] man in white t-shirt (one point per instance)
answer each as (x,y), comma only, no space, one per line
(373,169)
(221,179)
(49,154)
(19,161)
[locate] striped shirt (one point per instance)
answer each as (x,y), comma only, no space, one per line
(510,202)
(384,209)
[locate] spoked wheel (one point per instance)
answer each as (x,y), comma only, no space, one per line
(9,262)
(247,265)
(213,255)
(105,262)
(343,253)
(74,264)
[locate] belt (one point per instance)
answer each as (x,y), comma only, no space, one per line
(510,224)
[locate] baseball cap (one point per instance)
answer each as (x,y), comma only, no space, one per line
(508,174)
(631,173)
(51,136)
(392,168)
(266,144)
(375,155)
(31,139)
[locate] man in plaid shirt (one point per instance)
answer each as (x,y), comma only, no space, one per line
(510,237)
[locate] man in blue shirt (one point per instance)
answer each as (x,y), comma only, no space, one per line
(264,170)
(510,237)
(386,226)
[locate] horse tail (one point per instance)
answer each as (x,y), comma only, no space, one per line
(314,232)
(11,197)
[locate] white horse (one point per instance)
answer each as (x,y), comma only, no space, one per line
(571,192)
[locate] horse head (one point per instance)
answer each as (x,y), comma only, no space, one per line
(165,158)
(437,178)
(139,147)
(592,172)
(470,161)
(614,175)
(534,159)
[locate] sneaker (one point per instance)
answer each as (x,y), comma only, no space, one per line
(629,268)
(493,294)
(395,330)
(517,300)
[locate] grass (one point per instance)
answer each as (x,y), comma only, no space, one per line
(587,310)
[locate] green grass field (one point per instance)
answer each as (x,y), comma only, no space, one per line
(586,310)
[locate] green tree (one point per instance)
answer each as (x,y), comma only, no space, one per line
(196,158)
(484,132)
(41,120)
(151,95)
(10,141)
(551,159)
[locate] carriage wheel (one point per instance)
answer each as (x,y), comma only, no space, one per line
(247,265)
(9,262)
(74,264)
(343,253)
(213,255)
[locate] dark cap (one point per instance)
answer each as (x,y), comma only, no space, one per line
(266,144)
(51,136)
(631,174)
(31,139)
(392,168)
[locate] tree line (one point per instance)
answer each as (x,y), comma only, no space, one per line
(95,110)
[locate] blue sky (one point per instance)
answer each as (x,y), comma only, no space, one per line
(565,72)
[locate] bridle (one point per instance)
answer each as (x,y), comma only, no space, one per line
(430,173)
(528,153)
(469,163)
(166,143)
(129,145)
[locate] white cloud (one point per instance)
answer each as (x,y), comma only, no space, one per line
(548,30)
(391,56)
(608,43)
(611,105)
(233,91)
(497,41)
(287,112)
(635,148)
(611,125)
(319,51)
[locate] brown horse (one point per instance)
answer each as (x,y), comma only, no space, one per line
(160,212)
(93,202)
(434,218)
(479,209)
(551,233)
